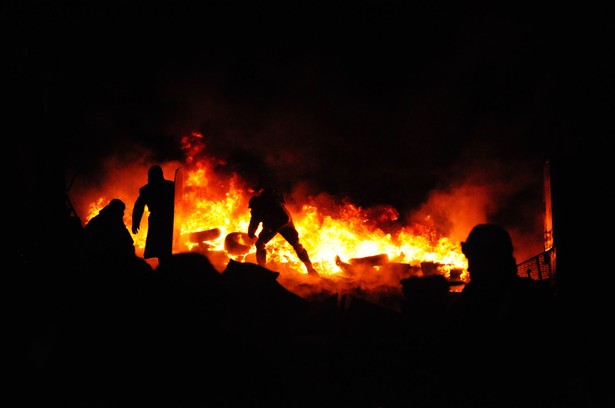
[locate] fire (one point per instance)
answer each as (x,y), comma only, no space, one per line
(347,244)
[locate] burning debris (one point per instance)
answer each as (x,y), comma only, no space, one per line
(212,217)
(238,243)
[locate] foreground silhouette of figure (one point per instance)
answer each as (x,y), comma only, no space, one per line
(269,209)
(106,237)
(159,197)
(496,293)
(501,324)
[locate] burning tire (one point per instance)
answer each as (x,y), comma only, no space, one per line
(202,236)
(238,243)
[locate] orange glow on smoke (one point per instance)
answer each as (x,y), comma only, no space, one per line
(340,237)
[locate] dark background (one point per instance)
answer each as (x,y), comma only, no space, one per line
(381,102)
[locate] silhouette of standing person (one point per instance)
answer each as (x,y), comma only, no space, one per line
(159,197)
(269,209)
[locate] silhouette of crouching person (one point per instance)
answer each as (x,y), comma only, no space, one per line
(106,238)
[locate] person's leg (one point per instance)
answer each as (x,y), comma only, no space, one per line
(291,235)
(261,251)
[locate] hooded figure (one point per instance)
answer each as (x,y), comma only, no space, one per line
(159,197)
(106,238)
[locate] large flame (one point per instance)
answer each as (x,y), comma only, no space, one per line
(350,246)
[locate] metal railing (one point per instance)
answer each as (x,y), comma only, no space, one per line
(537,267)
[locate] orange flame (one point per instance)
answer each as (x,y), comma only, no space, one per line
(337,235)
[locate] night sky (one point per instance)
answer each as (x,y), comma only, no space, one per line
(381,102)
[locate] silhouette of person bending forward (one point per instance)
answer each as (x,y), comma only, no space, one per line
(159,197)
(269,209)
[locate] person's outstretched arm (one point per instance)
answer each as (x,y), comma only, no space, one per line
(137,214)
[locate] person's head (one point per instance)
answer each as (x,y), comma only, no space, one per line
(155,173)
(489,250)
(116,208)
(271,193)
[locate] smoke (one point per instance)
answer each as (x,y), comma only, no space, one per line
(433,118)
(477,188)
(456,175)
(486,189)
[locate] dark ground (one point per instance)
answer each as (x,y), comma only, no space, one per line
(186,336)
